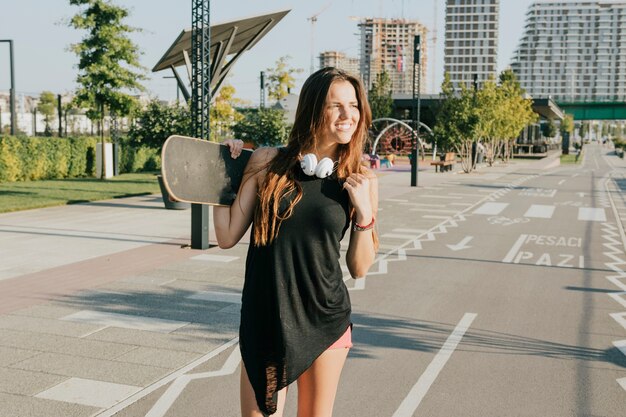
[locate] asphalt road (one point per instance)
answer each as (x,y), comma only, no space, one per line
(493,295)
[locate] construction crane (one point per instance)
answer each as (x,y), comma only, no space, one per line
(433,39)
(313,20)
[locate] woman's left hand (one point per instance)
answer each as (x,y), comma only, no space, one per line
(235,146)
(358,187)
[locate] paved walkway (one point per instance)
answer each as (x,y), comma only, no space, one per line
(101,302)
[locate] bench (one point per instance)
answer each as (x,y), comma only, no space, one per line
(446,163)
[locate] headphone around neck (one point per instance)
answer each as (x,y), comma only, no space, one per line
(321,169)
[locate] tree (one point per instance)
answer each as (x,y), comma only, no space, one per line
(280,79)
(157,122)
(47,107)
(567,124)
(262,127)
(549,129)
(107,59)
(379,96)
(223,113)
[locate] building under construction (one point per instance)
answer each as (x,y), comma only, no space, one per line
(387,45)
(340,60)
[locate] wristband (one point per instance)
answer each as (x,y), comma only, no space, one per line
(360,228)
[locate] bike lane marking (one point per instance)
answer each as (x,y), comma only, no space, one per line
(564,259)
(421,387)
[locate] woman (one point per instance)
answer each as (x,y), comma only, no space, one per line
(295,315)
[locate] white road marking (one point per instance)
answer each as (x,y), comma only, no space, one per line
(409,230)
(540,211)
(396,200)
(215,258)
(125,321)
(462,204)
(163,404)
(398,236)
(562,181)
(423,205)
(88,392)
(462,244)
(491,209)
(622,382)
(620,318)
(514,249)
(223,297)
(426,216)
(448,197)
(591,214)
(414,398)
(621,345)
(171,377)
(430,210)
(619,297)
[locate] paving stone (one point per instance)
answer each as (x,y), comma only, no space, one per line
(89,392)
(217,323)
(17,381)
(172,341)
(146,280)
(20,406)
(10,355)
(125,321)
(96,369)
(46,311)
(48,326)
(62,344)
(159,357)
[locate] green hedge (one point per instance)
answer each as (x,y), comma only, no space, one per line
(138,159)
(38,158)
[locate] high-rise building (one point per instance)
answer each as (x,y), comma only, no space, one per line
(574,51)
(339,60)
(471,48)
(387,45)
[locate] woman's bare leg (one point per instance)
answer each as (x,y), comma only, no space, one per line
(249,407)
(317,386)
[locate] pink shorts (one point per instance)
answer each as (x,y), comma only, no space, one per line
(344,341)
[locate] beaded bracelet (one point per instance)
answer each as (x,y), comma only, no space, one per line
(359,228)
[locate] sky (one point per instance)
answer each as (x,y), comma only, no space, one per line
(43,62)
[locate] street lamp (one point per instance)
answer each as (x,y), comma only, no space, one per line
(12,99)
(417,46)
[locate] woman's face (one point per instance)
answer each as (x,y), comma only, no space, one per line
(341,113)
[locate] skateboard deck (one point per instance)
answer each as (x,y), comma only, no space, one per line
(201,172)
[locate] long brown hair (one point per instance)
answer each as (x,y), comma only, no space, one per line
(308,127)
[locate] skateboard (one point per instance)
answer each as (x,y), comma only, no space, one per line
(201,172)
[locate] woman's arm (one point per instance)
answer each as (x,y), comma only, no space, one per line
(231,223)
(363,191)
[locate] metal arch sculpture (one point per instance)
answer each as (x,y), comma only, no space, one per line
(396,138)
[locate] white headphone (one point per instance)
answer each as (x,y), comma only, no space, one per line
(311,167)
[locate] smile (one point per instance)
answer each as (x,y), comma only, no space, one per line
(344,126)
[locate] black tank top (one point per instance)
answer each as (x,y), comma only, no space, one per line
(295,303)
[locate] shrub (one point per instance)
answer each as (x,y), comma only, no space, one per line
(35,158)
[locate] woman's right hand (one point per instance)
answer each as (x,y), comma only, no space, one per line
(235,146)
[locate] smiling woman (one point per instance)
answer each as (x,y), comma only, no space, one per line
(295,315)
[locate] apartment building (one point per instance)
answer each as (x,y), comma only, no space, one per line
(574,51)
(471,40)
(387,45)
(339,60)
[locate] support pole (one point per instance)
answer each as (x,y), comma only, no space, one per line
(60,112)
(12,93)
(200,101)
(417,45)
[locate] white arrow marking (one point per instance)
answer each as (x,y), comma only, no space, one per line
(462,244)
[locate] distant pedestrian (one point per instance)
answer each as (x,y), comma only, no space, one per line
(295,313)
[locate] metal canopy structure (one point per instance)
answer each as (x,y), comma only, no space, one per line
(227,39)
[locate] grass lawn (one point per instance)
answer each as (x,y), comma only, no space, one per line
(24,195)
(570,159)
